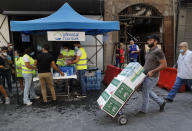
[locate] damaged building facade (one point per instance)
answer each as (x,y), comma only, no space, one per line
(184,23)
(138,19)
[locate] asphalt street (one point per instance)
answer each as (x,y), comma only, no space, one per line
(84,115)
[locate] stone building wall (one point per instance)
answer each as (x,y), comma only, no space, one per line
(113,7)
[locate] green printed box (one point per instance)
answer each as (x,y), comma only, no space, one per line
(105,95)
(112,107)
(115,82)
(123,92)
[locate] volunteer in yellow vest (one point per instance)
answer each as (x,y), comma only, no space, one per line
(65,54)
(19,76)
(60,60)
(81,65)
(27,73)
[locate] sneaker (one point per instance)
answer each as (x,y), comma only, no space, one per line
(82,96)
(11,94)
(1,102)
(7,101)
(140,113)
(44,104)
(21,93)
(162,107)
(28,103)
(35,98)
(168,100)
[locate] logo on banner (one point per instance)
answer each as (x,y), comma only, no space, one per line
(65,36)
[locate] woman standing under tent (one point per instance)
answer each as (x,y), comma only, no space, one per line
(28,70)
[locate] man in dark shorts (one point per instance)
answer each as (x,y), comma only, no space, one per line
(2,90)
(155,61)
(44,62)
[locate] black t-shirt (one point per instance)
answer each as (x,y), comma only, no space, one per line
(44,62)
(2,63)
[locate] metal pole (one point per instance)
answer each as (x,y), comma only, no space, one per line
(96,49)
(12,41)
(119,55)
(103,57)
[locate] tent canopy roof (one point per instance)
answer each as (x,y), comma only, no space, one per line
(65,18)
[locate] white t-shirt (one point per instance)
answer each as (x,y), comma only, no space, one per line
(78,53)
(26,59)
(185,65)
(137,48)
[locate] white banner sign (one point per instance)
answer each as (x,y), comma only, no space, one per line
(65,36)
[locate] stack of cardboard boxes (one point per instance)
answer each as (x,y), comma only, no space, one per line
(121,88)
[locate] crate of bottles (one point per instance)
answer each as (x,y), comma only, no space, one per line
(93,82)
(69,70)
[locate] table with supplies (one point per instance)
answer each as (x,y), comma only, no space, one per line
(69,74)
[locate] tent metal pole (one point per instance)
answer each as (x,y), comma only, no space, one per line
(12,41)
(96,48)
(103,57)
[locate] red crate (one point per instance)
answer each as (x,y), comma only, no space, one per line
(110,73)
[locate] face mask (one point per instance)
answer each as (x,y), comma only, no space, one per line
(5,54)
(181,50)
(66,50)
(16,56)
(76,48)
(150,45)
(32,53)
(39,48)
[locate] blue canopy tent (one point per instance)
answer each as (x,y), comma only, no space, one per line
(65,18)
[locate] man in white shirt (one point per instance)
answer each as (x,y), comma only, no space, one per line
(184,75)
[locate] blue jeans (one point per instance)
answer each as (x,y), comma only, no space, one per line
(117,62)
(28,78)
(178,84)
(147,92)
(81,78)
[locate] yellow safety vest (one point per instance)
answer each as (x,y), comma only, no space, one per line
(18,66)
(60,62)
(70,53)
(82,63)
(26,70)
(34,72)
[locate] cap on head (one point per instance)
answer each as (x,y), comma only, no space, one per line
(4,48)
(154,36)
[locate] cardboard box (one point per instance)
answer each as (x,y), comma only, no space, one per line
(109,104)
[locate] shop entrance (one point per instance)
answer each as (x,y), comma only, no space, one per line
(136,23)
